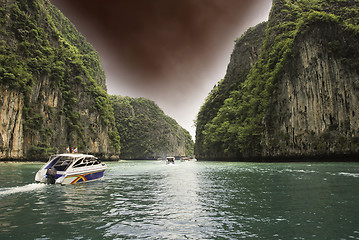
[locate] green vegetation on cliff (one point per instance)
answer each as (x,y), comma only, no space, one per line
(244,56)
(47,64)
(38,45)
(146,132)
(237,128)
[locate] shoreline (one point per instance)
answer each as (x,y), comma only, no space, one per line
(333,159)
(353,157)
(20,162)
(342,157)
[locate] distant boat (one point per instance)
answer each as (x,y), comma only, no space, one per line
(170,160)
(71,168)
(185,159)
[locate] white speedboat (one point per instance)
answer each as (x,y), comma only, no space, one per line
(170,160)
(70,169)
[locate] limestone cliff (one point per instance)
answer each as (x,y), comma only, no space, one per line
(245,54)
(146,132)
(11,135)
(314,109)
(52,86)
(301,96)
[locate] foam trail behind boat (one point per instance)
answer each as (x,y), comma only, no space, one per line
(26,188)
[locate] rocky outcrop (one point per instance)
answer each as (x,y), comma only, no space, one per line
(11,134)
(300,98)
(314,109)
(245,54)
(52,86)
(146,132)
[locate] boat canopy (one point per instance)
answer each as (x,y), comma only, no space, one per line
(63,161)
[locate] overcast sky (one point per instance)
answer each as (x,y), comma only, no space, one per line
(170,51)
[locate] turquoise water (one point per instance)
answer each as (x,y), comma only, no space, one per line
(194,200)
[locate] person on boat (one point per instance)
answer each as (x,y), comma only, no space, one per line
(51,175)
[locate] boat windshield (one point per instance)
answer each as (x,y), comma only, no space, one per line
(87,161)
(63,163)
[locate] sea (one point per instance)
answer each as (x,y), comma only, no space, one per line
(187,200)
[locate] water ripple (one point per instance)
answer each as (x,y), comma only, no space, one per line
(149,200)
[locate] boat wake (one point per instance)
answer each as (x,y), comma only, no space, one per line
(20,189)
(349,174)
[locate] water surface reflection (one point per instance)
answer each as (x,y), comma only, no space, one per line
(154,199)
(195,200)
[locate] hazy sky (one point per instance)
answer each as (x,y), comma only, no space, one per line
(170,51)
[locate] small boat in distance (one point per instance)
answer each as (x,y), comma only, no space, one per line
(170,160)
(70,168)
(185,159)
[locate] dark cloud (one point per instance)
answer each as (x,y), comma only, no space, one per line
(156,39)
(171,51)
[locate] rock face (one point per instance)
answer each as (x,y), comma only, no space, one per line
(146,132)
(300,98)
(314,110)
(244,56)
(52,86)
(11,137)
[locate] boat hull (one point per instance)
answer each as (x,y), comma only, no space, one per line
(81,177)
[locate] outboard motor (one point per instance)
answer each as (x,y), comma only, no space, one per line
(51,175)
